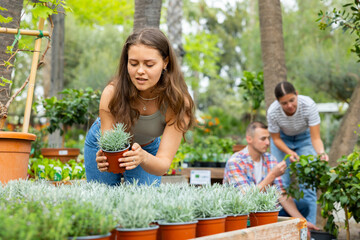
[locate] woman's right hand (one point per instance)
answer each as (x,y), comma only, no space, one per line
(101,161)
(293,157)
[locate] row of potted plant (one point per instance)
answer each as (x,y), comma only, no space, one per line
(95,209)
(55,170)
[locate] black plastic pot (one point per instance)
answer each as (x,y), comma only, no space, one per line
(318,235)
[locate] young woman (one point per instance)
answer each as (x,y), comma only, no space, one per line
(294,125)
(150,96)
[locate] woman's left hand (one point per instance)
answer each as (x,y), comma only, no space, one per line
(131,159)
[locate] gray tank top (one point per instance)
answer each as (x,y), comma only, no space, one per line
(147,128)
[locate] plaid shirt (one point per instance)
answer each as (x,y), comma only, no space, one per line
(239,169)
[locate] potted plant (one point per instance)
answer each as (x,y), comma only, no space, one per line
(77,107)
(87,221)
(209,210)
(114,143)
(264,206)
(339,187)
(15,146)
(135,214)
(55,170)
(236,208)
(177,213)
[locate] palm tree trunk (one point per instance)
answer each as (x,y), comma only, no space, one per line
(174,18)
(272,45)
(346,136)
(57,68)
(147,14)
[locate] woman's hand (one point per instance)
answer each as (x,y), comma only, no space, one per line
(101,161)
(324,157)
(293,157)
(133,158)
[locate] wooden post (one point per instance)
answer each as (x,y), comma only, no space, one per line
(33,70)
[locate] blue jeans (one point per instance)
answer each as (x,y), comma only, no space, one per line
(302,145)
(93,174)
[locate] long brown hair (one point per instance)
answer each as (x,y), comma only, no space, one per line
(171,87)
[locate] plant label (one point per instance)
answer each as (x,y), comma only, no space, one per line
(200,177)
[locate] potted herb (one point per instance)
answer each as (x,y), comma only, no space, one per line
(77,107)
(32,219)
(236,207)
(209,210)
(114,143)
(135,214)
(178,213)
(87,221)
(264,206)
(339,187)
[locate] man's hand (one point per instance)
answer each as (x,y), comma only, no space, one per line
(311,226)
(279,169)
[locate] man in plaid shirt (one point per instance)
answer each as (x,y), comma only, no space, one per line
(254,165)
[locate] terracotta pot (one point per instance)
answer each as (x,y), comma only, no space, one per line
(262,218)
(63,154)
(94,237)
(137,233)
(235,222)
(210,226)
(177,231)
(113,160)
(15,150)
(113,234)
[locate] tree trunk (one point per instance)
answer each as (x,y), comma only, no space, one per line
(147,14)
(14,8)
(57,67)
(272,45)
(174,18)
(346,137)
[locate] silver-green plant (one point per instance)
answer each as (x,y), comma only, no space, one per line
(266,200)
(177,205)
(235,202)
(134,211)
(115,139)
(208,202)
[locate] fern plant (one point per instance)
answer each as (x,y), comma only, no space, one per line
(115,139)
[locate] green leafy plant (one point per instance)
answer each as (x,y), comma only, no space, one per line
(253,85)
(348,19)
(308,171)
(339,186)
(43,9)
(115,139)
(55,170)
(77,106)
